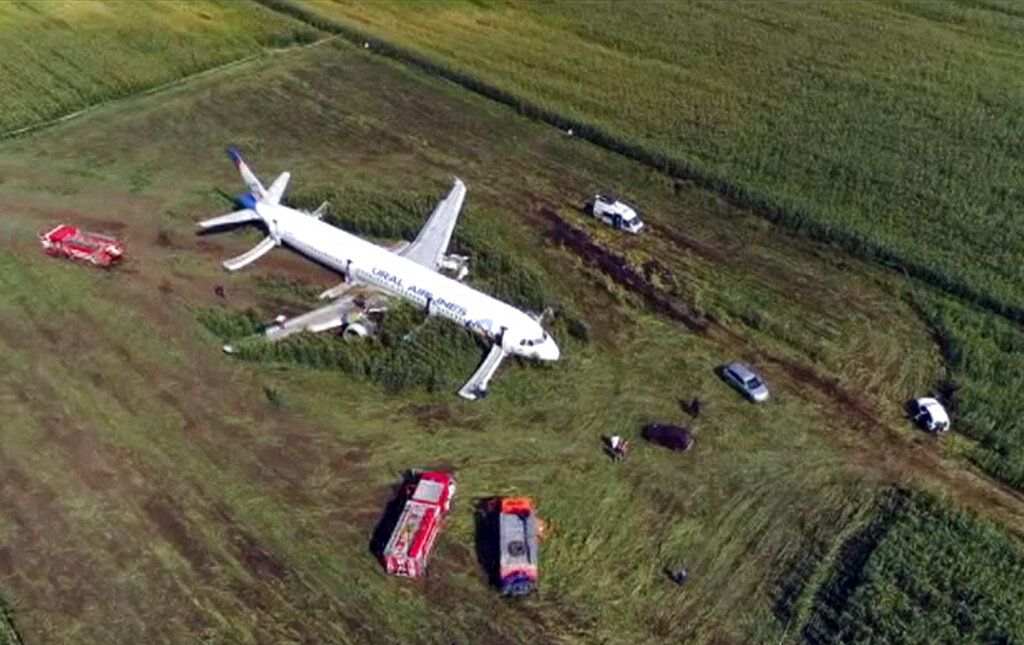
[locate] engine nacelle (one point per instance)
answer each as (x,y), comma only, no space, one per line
(457,265)
(361,329)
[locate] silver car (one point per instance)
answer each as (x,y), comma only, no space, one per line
(746,381)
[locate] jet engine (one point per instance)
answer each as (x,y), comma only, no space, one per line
(361,329)
(456,265)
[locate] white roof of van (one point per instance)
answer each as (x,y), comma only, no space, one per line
(935,409)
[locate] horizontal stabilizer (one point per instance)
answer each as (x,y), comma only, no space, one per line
(476,386)
(238,217)
(276,190)
(250,256)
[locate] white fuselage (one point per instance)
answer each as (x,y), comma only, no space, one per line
(391,273)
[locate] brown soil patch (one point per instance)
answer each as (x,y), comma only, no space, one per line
(168,516)
(690,243)
(432,414)
(260,562)
(618,269)
(34,509)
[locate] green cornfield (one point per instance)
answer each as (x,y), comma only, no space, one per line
(922,573)
(984,358)
(894,127)
(59,57)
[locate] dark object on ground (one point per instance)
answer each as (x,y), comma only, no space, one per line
(678,576)
(693,407)
(219,291)
(672,437)
(616,447)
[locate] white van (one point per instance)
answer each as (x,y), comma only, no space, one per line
(616,213)
(930,415)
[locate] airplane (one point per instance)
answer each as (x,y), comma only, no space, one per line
(374,274)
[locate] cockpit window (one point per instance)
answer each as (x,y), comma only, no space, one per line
(534,341)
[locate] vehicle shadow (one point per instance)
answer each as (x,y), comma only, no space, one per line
(606,446)
(488,545)
(389,518)
(910,410)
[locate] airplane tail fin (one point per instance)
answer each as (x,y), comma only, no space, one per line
(251,182)
(251,202)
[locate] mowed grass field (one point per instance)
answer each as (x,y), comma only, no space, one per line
(158,491)
(896,122)
(58,57)
(182,495)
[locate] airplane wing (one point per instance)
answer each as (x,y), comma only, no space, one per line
(431,244)
(339,289)
(342,311)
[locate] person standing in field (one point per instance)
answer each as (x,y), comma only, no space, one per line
(618,446)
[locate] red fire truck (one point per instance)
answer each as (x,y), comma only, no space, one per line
(72,242)
(428,500)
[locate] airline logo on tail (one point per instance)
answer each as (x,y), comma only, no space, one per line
(257,193)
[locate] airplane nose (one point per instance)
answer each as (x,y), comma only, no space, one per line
(551,351)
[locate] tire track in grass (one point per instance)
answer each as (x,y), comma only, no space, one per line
(879,447)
